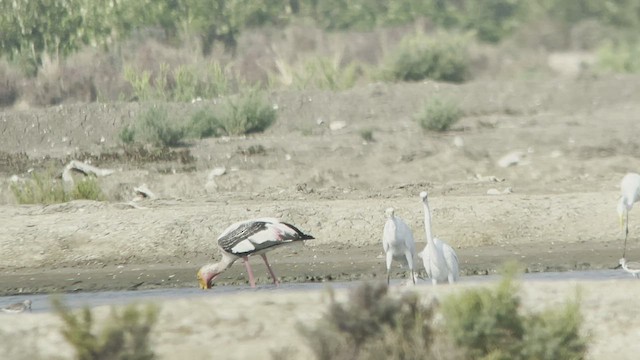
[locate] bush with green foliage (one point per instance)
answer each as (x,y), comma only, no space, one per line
(124,335)
(438,115)
(488,324)
(249,112)
(155,127)
(88,189)
(622,57)
(372,325)
(44,188)
(183,83)
(443,57)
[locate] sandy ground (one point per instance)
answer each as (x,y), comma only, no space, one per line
(255,325)
(576,138)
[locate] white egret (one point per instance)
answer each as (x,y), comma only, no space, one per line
(632,267)
(439,259)
(397,242)
(246,238)
(629,194)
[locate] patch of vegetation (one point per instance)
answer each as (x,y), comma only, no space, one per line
(44,188)
(317,73)
(204,123)
(438,115)
(127,135)
(247,113)
(442,58)
(488,324)
(620,57)
(88,189)
(182,83)
(124,335)
(367,135)
(372,325)
(155,127)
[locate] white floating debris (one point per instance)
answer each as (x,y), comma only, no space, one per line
(494,191)
(319,121)
(511,159)
(102,139)
(556,154)
(458,141)
(337,125)
(287,157)
(143,192)
(218,171)
(488,178)
(83,168)
(14,178)
(275,106)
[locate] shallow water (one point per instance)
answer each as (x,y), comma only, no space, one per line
(41,303)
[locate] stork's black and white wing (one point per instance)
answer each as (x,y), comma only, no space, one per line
(254,236)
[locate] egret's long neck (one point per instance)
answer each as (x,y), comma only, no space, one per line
(427,222)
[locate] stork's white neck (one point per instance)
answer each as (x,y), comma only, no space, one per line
(221,265)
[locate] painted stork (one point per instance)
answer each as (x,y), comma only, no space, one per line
(246,238)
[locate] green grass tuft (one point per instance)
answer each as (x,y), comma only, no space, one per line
(438,115)
(419,57)
(44,188)
(249,113)
(88,189)
(155,127)
(124,335)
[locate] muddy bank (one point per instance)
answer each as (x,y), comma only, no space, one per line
(318,264)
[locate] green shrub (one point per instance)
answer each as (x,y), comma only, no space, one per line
(622,57)
(204,123)
(250,112)
(366,135)
(125,334)
(488,324)
(492,20)
(438,115)
(192,82)
(418,57)
(554,334)
(42,188)
(88,189)
(127,135)
(372,325)
(155,127)
(183,83)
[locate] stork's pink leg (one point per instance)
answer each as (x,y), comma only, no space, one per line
(252,280)
(266,262)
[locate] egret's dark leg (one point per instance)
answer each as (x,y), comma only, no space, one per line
(626,234)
